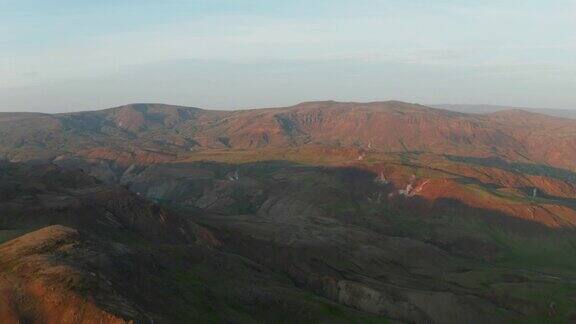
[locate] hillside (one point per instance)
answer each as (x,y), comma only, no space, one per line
(148,133)
(322,212)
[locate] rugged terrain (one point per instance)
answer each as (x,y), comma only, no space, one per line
(321,212)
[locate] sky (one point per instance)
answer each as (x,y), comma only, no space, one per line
(69,55)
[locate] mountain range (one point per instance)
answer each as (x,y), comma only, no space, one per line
(321,212)
(162,133)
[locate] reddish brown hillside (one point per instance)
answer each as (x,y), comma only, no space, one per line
(150,133)
(37,287)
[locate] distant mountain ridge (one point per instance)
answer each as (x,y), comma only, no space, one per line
(486,109)
(150,133)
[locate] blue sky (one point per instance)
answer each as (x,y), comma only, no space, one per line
(64,55)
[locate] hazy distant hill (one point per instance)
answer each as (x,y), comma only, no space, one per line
(484,109)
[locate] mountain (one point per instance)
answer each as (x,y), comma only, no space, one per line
(319,212)
(485,109)
(146,133)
